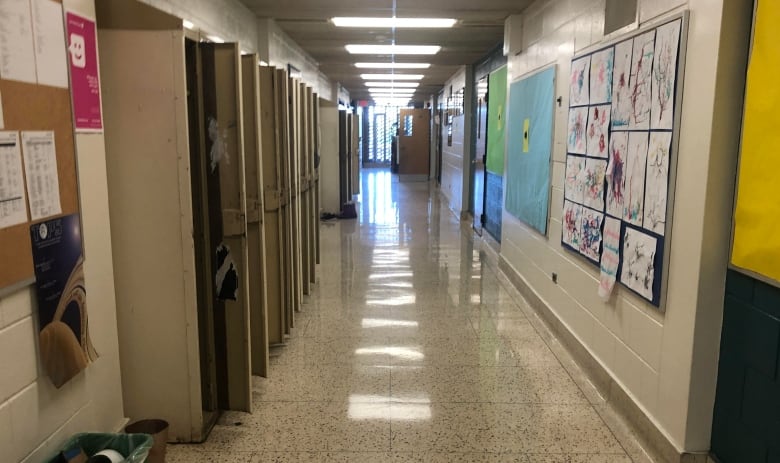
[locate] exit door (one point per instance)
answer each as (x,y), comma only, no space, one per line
(478,163)
(414,144)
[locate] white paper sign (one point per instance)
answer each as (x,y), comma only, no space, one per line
(17,52)
(50,50)
(610,257)
(40,165)
(13,208)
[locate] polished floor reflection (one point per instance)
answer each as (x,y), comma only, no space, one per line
(413,348)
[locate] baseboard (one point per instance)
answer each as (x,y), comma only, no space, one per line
(650,437)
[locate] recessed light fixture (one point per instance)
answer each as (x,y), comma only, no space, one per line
(393,65)
(188,24)
(393,49)
(215,38)
(393,84)
(394,22)
(391,95)
(263,63)
(391,76)
(391,89)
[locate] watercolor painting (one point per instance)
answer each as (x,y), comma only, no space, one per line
(572,221)
(667,44)
(594,177)
(621,85)
(601,67)
(658,157)
(579,84)
(616,174)
(574,189)
(641,81)
(578,126)
(598,131)
(636,164)
(610,256)
(639,262)
(590,234)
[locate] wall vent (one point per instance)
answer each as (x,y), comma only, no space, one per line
(619,14)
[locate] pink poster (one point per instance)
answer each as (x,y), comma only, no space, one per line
(85,82)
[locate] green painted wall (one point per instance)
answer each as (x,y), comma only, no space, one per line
(746,424)
(497,104)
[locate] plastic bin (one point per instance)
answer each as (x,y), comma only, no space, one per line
(135,447)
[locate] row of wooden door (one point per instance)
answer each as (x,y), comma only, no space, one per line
(213,196)
(256,224)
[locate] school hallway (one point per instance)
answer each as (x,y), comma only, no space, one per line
(413,347)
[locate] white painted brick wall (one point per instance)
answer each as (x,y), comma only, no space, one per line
(649,353)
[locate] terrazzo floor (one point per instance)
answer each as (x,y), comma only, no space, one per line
(413,347)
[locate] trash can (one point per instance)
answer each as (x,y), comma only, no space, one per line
(134,447)
(158,429)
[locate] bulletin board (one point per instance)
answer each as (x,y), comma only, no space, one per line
(622,144)
(529,148)
(496,135)
(38,163)
(755,248)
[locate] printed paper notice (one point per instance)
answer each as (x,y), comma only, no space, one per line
(40,165)
(50,50)
(17,52)
(85,84)
(610,257)
(13,208)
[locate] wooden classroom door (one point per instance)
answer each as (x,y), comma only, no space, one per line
(414,144)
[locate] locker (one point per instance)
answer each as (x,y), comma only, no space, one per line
(273,223)
(184,351)
(258,304)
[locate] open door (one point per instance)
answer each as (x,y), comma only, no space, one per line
(343,158)
(478,163)
(355,149)
(282,133)
(305,203)
(273,223)
(201,241)
(250,81)
(317,185)
(314,214)
(226,208)
(414,145)
(295,186)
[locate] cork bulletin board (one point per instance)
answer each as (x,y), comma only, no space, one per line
(34,100)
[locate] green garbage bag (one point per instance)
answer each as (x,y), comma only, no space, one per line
(135,447)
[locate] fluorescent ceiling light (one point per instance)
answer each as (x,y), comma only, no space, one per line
(391,76)
(215,38)
(397,91)
(394,22)
(393,49)
(391,97)
(188,24)
(393,65)
(263,63)
(393,84)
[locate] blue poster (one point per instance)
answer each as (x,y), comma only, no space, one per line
(65,346)
(529,148)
